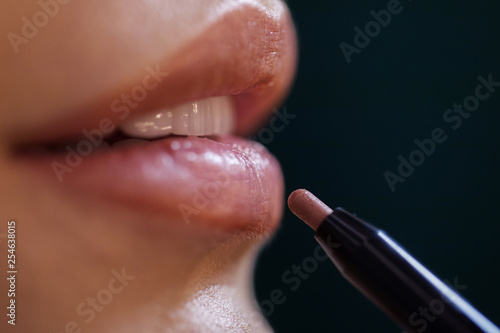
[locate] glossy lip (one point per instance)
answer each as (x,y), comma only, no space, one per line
(230,183)
(232,58)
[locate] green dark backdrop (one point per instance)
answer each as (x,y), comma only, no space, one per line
(354,120)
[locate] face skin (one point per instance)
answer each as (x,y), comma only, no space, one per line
(106,246)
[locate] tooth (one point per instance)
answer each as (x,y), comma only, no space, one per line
(210,116)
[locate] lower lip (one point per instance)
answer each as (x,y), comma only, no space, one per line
(230,183)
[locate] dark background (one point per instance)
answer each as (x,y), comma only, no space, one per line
(354,120)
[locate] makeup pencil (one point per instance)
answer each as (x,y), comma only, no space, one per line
(385,273)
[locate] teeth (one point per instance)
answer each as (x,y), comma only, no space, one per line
(210,116)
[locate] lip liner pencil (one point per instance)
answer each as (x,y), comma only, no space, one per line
(385,273)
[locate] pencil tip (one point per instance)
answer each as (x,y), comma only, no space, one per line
(308,208)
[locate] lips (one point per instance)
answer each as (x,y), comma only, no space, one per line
(223,181)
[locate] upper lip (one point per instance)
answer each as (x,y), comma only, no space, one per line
(253,62)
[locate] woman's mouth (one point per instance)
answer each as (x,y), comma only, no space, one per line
(181,163)
(172,152)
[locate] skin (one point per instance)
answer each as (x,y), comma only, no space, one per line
(71,244)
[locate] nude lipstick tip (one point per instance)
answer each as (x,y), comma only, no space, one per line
(308,208)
